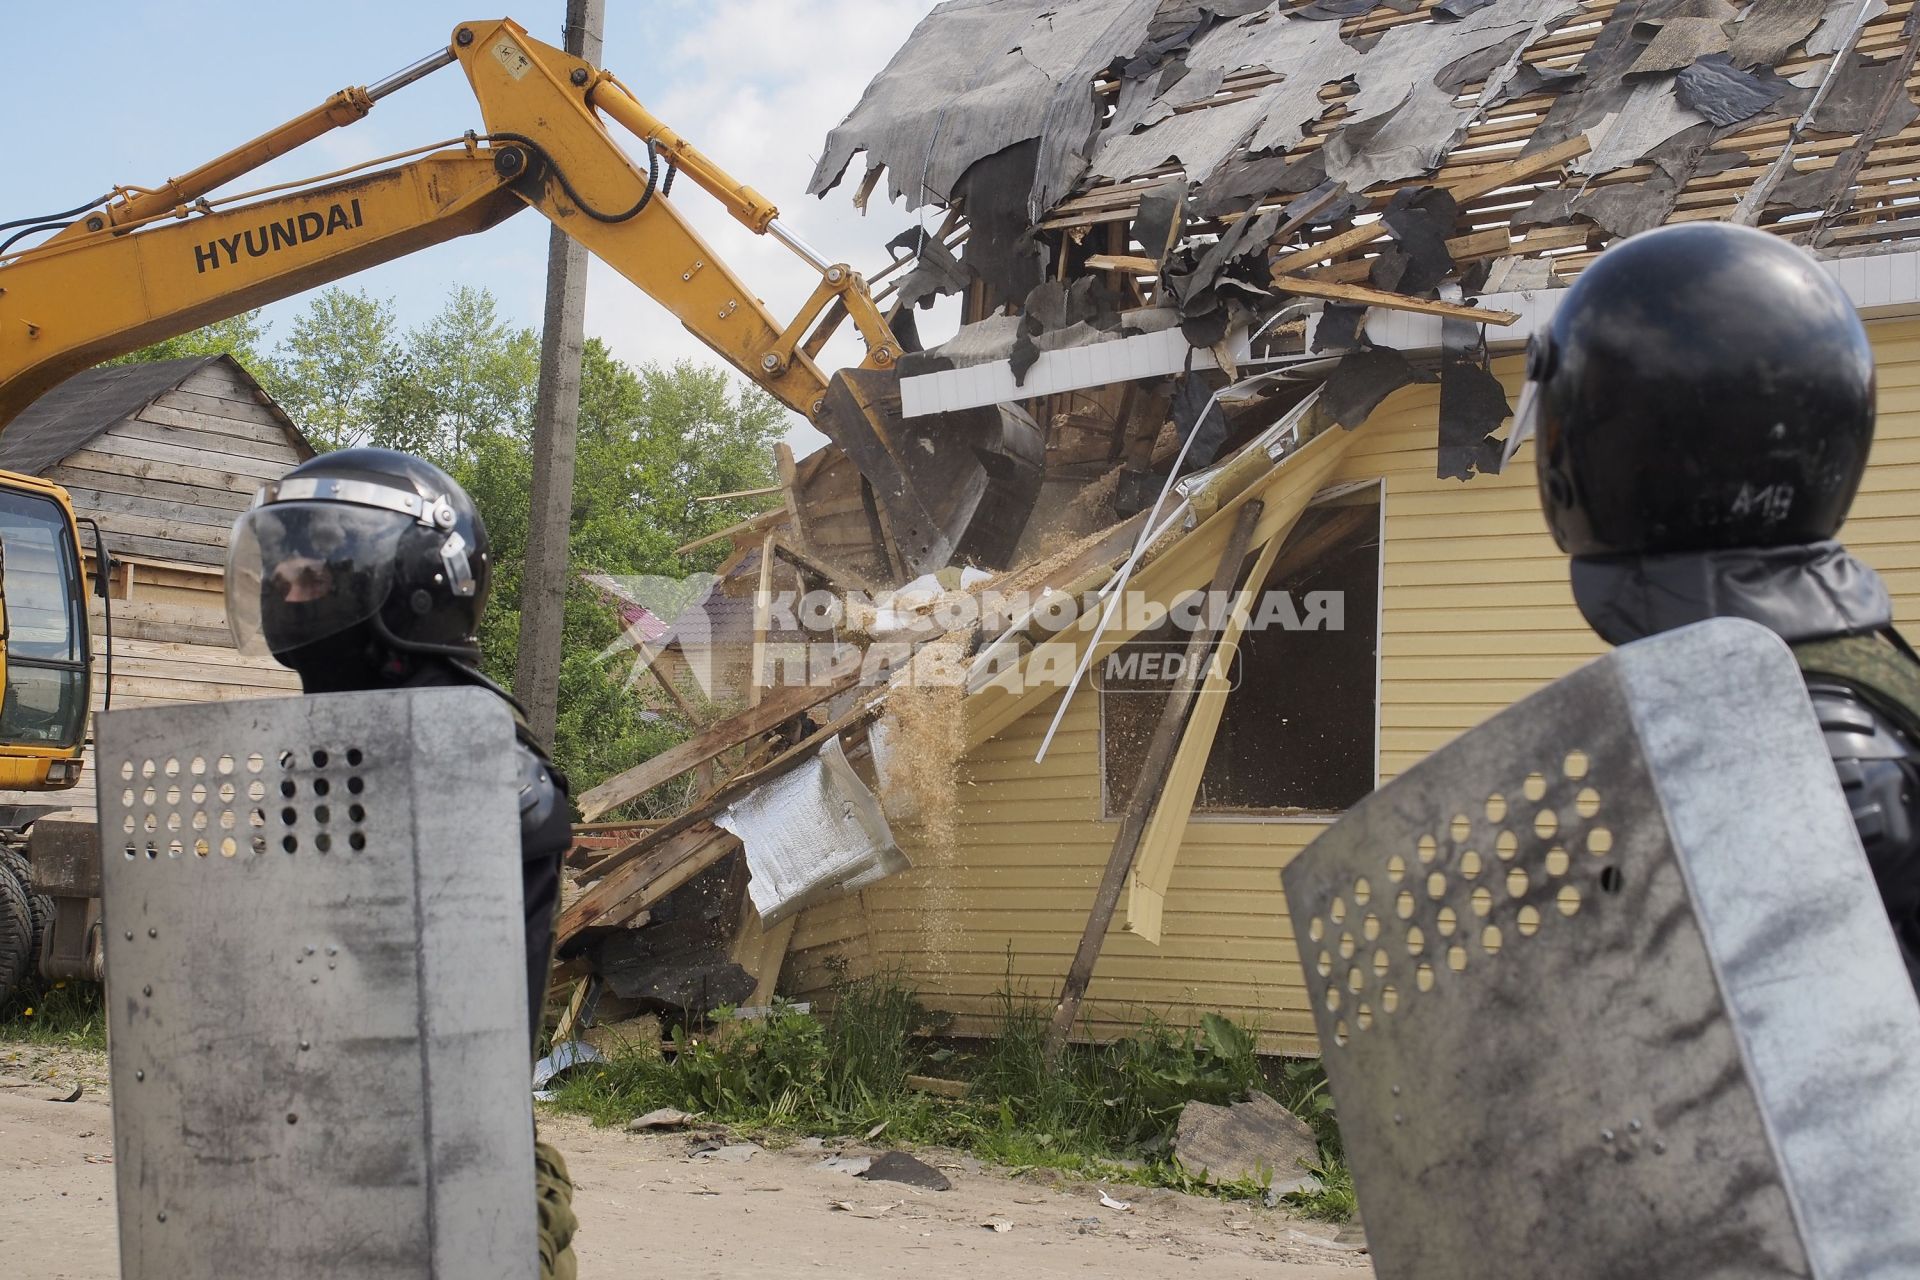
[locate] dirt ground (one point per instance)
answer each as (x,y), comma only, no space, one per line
(649,1207)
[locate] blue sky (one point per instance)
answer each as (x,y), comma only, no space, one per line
(131,91)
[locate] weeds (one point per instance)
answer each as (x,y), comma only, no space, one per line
(1108,1112)
(65,1013)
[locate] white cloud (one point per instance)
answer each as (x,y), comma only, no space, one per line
(757,85)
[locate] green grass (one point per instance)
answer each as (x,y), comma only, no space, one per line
(64,1013)
(1106,1112)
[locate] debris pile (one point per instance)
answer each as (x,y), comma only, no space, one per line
(1190,239)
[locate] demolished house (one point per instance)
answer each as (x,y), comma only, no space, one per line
(1244,286)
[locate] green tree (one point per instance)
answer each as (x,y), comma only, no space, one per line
(333,370)
(459,390)
(650,441)
(467,373)
(241,336)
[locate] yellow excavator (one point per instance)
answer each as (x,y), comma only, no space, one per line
(145,263)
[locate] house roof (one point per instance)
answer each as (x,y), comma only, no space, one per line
(1686,107)
(638,621)
(1225,159)
(68,417)
(73,413)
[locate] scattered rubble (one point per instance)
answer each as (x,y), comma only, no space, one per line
(1189,240)
(898,1166)
(1247,1141)
(725,1152)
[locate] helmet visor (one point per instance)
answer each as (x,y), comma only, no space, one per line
(299,572)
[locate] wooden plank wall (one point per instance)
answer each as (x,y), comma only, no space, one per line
(1476,614)
(165,487)
(167,484)
(170,645)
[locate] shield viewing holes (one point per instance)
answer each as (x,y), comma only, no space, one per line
(319,800)
(1533,829)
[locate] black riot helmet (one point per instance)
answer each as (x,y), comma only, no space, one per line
(355,557)
(1701,386)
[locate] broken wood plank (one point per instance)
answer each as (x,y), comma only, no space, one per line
(638,884)
(1369,296)
(1502,175)
(939,1087)
(752,524)
(665,681)
(790,489)
(761,950)
(1123,262)
(1159,755)
(762,492)
(1301,216)
(781,706)
(792,757)
(820,567)
(1849,163)
(564,1028)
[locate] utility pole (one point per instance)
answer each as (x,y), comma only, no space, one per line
(556,427)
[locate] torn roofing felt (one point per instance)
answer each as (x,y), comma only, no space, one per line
(977,77)
(1234,97)
(1191,154)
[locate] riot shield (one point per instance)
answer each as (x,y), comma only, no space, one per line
(314,939)
(1604,989)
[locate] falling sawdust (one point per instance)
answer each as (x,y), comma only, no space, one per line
(1167,442)
(1046,569)
(930,737)
(926,742)
(1092,507)
(1090,510)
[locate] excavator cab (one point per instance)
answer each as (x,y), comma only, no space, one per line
(43,618)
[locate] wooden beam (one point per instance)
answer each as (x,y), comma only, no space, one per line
(1366,295)
(762,620)
(1476,246)
(761,949)
(1159,754)
(665,681)
(1848,165)
(1472,188)
(781,706)
(789,488)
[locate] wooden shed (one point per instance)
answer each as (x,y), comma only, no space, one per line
(163,456)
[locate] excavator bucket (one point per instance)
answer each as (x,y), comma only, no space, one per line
(948,487)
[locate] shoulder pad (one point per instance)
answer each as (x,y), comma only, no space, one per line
(538,794)
(1854,730)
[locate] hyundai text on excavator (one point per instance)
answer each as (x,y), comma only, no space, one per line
(140,264)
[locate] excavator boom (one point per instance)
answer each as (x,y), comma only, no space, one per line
(153,262)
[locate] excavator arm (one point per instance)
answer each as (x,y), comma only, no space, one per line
(149,263)
(157,262)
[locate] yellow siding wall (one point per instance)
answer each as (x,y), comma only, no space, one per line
(1477,614)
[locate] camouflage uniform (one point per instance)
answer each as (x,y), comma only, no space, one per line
(1837,616)
(553,1189)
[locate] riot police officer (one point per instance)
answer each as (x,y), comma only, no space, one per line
(369,569)
(1703,404)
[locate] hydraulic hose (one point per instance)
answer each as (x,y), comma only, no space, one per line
(74,212)
(598,215)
